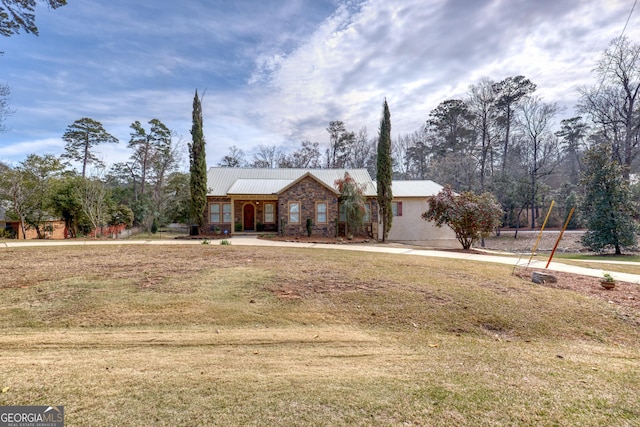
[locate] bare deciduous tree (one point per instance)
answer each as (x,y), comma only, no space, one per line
(613,104)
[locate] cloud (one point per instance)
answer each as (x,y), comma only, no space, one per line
(277,73)
(12,152)
(418,54)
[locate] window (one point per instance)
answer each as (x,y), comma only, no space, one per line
(321,212)
(214,210)
(294,212)
(269,213)
(396,208)
(220,213)
(343,213)
(226,212)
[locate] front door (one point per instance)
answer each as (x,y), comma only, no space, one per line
(248,213)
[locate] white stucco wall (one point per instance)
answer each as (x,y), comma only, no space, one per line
(411,228)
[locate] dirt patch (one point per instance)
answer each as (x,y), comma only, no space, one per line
(525,240)
(325,284)
(624,294)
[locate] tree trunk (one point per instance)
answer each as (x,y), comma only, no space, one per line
(506,141)
(86,155)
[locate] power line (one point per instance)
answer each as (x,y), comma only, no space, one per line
(628,18)
(617,46)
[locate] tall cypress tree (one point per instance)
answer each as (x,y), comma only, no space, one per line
(198,166)
(384,172)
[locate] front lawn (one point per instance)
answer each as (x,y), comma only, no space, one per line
(187,335)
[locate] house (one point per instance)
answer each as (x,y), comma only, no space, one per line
(409,202)
(52,229)
(283,200)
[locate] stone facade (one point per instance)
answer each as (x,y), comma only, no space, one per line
(308,193)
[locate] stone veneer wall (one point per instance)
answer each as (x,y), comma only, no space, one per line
(309,191)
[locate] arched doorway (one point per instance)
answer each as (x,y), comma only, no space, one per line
(248,215)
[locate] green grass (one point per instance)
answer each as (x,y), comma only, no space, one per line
(231,335)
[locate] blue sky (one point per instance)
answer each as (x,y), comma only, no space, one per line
(276,72)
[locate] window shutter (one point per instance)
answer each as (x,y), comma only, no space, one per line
(399,208)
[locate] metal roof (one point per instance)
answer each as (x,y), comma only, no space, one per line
(415,188)
(225,181)
(258,186)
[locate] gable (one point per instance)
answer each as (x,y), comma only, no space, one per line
(308,175)
(308,189)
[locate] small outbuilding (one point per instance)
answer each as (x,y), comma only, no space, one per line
(51,229)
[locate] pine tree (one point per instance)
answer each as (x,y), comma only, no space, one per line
(384,171)
(198,165)
(81,136)
(607,205)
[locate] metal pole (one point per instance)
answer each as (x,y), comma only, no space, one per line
(533,251)
(560,237)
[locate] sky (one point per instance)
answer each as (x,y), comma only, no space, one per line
(276,72)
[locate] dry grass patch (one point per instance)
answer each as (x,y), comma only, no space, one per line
(211,335)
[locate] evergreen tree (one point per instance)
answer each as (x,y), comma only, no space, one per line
(509,93)
(81,137)
(607,205)
(340,145)
(384,171)
(198,165)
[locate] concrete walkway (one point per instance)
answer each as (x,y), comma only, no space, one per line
(252,240)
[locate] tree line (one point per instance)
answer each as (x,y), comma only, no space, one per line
(147,190)
(502,137)
(344,150)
